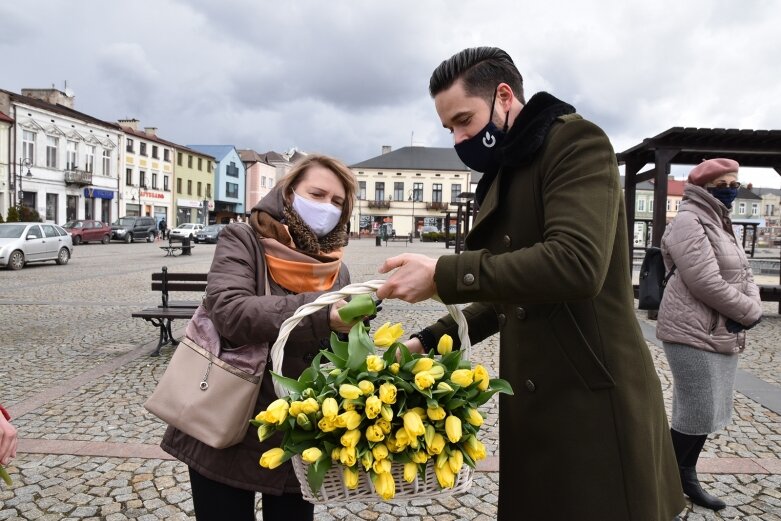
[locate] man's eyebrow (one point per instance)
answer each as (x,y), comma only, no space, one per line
(456,117)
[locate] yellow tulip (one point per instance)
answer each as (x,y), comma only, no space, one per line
(327,424)
(373,407)
(436,413)
(350,478)
(388,393)
(428,436)
(367,460)
(393,444)
(474,448)
(473,417)
(437,371)
(387,334)
(277,411)
(311,454)
(380,451)
(366,387)
(349,392)
(349,420)
(347,456)
(419,456)
(420,411)
(381,465)
(330,407)
(453,428)
(385,486)
(394,368)
(386,412)
(303,421)
(462,377)
(413,425)
(445,476)
(410,472)
(437,444)
(295,408)
(350,438)
(375,363)
(383,424)
(424,380)
(422,364)
(309,406)
(272,458)
(336,453)
(374,433)
(265,431)
(456,461)
(444,386)
(349,405)
(481,375)
(445,345)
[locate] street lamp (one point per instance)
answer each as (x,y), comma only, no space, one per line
(18,192)
(412,198)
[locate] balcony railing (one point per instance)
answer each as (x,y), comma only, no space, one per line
(379,204)
(436,205)
(78,177)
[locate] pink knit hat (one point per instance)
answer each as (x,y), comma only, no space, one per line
(709,170)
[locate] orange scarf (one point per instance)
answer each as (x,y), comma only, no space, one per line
(298,272)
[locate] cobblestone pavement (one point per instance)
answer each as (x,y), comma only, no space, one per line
(80,371)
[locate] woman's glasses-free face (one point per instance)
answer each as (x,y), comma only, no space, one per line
(724,184)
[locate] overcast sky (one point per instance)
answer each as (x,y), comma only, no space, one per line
(345,78)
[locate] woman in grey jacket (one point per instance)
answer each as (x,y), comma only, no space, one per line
(709,303)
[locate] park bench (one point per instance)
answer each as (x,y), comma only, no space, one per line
(170,310)
(398,238)
(172,250)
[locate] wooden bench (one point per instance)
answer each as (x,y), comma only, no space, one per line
(397,238)
(170,310)
(172,251)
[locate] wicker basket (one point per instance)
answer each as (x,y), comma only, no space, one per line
(333,489)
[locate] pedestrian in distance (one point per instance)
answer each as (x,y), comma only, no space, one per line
(163,228)
(295,236)
(585,435)
(707,306)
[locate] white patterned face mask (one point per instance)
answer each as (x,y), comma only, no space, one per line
(321,217)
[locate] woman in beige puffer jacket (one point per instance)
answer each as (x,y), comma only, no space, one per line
(710,301)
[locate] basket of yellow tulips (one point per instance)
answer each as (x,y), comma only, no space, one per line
(374,420)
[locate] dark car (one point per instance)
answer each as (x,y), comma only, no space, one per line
(86,230)
(129,229)
(210,234)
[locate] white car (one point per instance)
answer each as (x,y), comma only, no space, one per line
(185,230)
(21,243)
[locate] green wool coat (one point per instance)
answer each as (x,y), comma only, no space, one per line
(585,437)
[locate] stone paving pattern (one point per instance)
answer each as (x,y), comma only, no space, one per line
(59,322)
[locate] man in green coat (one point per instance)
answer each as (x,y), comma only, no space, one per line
(585,436)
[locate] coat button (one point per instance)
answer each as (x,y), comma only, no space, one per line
(501,318)
(469,279)
(506,241)
(530,386)
(520,313)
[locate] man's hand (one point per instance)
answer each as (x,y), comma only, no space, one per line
(413,280)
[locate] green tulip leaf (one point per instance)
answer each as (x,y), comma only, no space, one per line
(316,473)
(482,398)
(360,346)
(338,347)
(5,476)
(335,359)
(451,360)
(389,356)
(360,306)
(289,383)
(500,385)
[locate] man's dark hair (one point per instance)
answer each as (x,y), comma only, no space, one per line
(481,69)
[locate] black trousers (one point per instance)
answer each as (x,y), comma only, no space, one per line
(687,447)
(215,501)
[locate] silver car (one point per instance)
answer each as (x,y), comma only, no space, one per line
(21,243)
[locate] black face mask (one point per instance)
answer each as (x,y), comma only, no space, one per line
(726,195)
(480,151)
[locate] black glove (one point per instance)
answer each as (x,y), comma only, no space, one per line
(378,308)
(734,327)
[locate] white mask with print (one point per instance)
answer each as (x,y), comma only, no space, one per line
(322,218)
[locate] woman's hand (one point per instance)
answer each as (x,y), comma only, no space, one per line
(335,321)
(8,441)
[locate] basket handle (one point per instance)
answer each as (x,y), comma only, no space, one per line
(326,299)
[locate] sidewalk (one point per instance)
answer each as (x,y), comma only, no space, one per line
(76,371)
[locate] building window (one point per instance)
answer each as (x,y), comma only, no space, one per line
(189,161)
(129,146)
(436,193)
(769,208)
(142,179)
(179,185)
(398,191)
(417,192)
(72,156)
(232,190)
(106,162)
(199,189)
(154,181)
(142,148)
(71,207)
(232,170)
(677,204)
(651,204)
(154,152)
(362,190)
(668,205)
(200,164)
(52,144)
(379,191)
(129,177)
(641,205)
(454,191)
(742,208)
(263,181)
(166,155)
(208,189)
(165,183)
(754,209)
(51,207)
(28,146)
(189,187)
(89,165)
(179,158)
(208,166)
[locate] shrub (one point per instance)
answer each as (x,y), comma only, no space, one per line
(13,215)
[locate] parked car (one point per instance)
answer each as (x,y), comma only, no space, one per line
(85,230)
(129,229)
(21,243)
(185,230)
(210,233)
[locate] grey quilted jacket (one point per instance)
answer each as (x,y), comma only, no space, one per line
(712,281)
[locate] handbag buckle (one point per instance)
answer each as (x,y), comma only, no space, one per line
(204,384)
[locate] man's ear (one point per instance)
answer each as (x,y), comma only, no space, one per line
(505,95)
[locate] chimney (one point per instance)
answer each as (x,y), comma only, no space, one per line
(150,131)
(750,187)
(53,96)
(386,149)
(132,123)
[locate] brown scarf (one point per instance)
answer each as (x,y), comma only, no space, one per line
(296,259)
